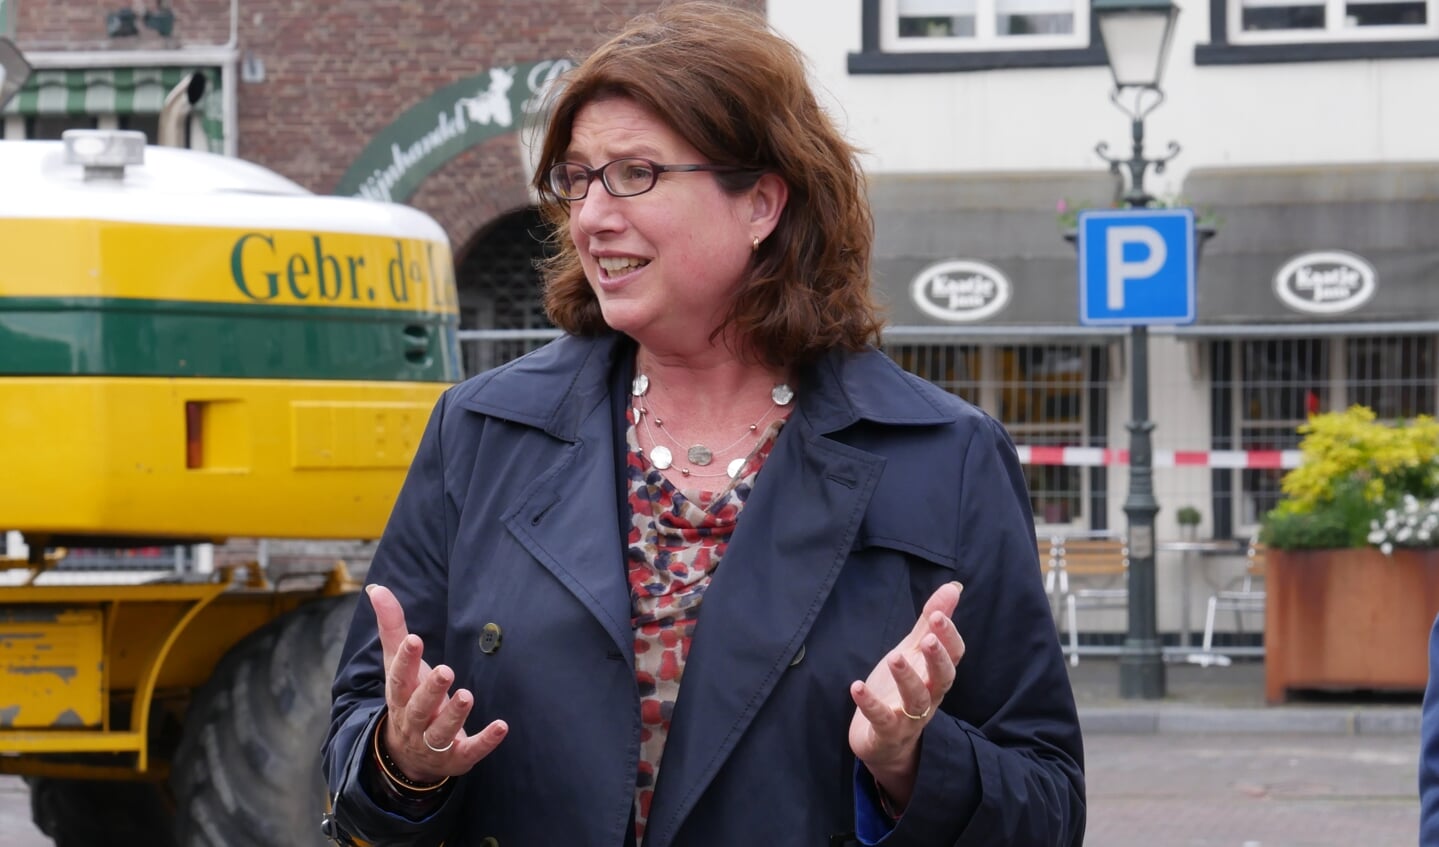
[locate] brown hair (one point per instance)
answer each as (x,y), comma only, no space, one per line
(737,92)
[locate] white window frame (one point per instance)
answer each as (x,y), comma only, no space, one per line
(1334,30)
(985,39)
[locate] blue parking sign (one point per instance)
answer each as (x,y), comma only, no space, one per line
(1136,267)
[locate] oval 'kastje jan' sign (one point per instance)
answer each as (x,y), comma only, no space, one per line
(960,290)
(1325,282)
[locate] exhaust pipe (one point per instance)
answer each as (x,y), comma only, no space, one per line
(175,111)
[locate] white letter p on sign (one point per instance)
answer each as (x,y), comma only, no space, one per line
(1120,271)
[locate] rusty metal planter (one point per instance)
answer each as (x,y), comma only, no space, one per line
(1351,619)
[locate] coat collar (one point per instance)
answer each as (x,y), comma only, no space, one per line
(556,387)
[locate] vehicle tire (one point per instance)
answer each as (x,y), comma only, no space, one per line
(83,812)
(247,773)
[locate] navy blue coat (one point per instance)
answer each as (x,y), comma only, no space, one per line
(881,488)
(1429,749)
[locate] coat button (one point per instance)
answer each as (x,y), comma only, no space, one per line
(490,841)
(798,657)
(490,637)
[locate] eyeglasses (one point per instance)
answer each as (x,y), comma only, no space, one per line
(621,178)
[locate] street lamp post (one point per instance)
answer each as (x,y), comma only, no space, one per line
(1136,36)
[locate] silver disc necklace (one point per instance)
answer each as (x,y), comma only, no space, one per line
(699,454)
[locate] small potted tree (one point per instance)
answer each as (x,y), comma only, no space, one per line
(1352,578)
(1188,519)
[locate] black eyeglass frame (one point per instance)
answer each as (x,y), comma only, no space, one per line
(656,170)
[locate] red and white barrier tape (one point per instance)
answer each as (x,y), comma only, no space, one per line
(1094,457)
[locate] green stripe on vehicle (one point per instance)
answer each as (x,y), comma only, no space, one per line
(60,336)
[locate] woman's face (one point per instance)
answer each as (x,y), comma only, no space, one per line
(666,263)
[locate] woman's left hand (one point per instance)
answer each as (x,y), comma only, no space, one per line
(902,694)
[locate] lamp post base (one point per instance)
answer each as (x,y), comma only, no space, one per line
(1141,671)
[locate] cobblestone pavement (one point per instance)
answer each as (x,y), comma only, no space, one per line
(1181,790)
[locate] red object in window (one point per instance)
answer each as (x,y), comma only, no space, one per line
(1311,403)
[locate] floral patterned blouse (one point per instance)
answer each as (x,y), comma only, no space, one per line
(676,541)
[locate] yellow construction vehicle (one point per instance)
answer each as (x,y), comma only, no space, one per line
(193,348)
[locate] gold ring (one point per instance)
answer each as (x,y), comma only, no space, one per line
(446,748)
(919,717)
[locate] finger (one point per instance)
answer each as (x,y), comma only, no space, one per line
(913,692)
(475,747)
(938,666)
(449,724)
(404,674)
(389,620)
(944,600)
(880,714)
(431,696)
(943,628)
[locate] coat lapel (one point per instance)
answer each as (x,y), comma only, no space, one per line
(567,517)
(793,537)
(568,520)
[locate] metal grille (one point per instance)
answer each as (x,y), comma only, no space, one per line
(1278,383)
(499,288)
(1281,383)
(1044,394)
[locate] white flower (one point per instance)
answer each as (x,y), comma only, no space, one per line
(1413,523)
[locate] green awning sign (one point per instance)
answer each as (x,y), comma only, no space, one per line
(444,125)
(117,91)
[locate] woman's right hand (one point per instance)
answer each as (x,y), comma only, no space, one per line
(425,731)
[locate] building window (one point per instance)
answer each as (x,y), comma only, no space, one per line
(1257,31)
(929,25)
(150,125)
(1045,395)
(1393,375)
(52,127)
(1279,383)
(935,36)
(1278,21)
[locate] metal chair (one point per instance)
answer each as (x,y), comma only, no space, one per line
(1248,596)
(1101,565)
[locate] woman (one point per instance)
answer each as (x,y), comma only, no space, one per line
(690,575)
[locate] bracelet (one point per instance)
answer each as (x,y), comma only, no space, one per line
(886,805)
(392,771)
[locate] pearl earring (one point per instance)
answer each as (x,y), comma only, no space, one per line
(754,247)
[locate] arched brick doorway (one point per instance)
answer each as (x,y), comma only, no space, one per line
(499,287)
